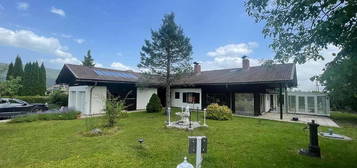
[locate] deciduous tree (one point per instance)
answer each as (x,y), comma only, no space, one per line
(300,29)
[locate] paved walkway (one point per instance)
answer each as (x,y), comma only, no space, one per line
(321,120)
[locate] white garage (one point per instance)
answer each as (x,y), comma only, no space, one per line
(88,100)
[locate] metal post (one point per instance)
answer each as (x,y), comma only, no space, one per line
(190,119)
(281,101)
(198,152)
(169,111)
(204,117)
(197,114)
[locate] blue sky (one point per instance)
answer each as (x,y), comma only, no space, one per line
(58,32)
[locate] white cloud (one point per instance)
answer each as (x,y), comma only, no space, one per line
(229,56)
(234,50)
(31,41)
(79,41)
(22,6)
(120,66)
(58,11)
(312,68)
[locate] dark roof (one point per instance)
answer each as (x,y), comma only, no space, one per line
(257,74)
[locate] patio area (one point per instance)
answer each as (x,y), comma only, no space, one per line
(321,120)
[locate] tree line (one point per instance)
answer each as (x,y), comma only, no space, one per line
(31,78)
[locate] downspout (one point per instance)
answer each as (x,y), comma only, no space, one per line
(90,98)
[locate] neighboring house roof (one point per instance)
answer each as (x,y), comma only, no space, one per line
(258,74)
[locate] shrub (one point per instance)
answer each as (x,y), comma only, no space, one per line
(70,115)
(33,99)
(217,112)
(154,104)
(58,97)
(113,110)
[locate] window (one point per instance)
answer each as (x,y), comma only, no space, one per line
(321,104)
(301,104)
(311,104)
(190,97)
(292,103)
(177,95)
(3,101)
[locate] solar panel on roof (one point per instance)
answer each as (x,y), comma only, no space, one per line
(115,74)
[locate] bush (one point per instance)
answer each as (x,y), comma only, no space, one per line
(217,112)
(154,104)
(58,97)
(70,115)
(33,99)
(113,110)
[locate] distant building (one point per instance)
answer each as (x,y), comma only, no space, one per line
(61,87)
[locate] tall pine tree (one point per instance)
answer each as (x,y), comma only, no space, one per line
(43,79)
(17,71)
(88,60)
(26,80)
(10,71)
(168,54)
(37,81)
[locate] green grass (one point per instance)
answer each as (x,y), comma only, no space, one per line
(240,142)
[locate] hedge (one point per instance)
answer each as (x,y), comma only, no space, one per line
(217,112)
(154,104)
(33,99)
(70,115)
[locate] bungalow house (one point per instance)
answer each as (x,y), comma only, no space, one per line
(250,90)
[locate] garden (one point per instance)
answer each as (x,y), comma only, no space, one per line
(238,142)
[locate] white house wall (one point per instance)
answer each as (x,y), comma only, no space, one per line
(143,96)
(79,99)
(179,102)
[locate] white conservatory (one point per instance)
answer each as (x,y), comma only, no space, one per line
(311,103)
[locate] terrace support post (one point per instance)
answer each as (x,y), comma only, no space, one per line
(204,117)
(286,99)
(197,114)
(281,101)
(169,113)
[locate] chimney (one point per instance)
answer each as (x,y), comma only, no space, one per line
(245,62)
(197,68)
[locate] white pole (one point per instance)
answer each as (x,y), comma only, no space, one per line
(204,117)
(169,110)
(198,152)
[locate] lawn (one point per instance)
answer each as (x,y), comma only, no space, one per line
(241,142)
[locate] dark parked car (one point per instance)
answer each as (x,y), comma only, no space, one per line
(11,107)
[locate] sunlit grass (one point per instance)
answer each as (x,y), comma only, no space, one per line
(241,142)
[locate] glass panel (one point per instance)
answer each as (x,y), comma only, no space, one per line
(301,104)
(321,104)
(191,97)
(244,103)
(292,104)
(311,104)
(115,74)
(219,98)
